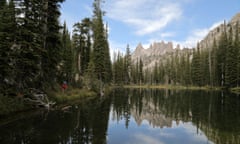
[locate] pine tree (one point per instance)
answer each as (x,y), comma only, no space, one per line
(155,73)
(67,55)
(100,46)
(107,59)
(188,70)
(205,74)
(215,80)
(119,69)
(196,68)
(221,56)
(7,40)
(51,57)
(231,61)
(82,45)
(141,74)
(28,56)
(128,65)
(237,47)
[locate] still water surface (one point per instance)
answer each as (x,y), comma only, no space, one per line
(134,116)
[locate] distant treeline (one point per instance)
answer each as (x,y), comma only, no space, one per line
(216,65)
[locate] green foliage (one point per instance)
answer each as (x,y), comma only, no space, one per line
(90,80)
(66,64)
(217,65)
(118,69)
(101,55)
(70,95)
(237,46)
(128,65)
(196,68)
(51,58)
(9,105)
(7,41)
(231,61)
(30,44)
(82,45)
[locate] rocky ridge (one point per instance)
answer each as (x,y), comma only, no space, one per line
(160,51)
(207,42)
(152,54)
(156,52)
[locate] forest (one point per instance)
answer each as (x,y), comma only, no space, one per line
(38,52)
(218,65)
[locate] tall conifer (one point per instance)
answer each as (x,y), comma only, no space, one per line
(101,55)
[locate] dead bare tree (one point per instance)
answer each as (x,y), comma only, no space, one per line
(38,98)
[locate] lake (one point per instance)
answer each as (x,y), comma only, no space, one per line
(133,116)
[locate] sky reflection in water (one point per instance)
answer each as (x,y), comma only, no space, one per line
(145,133)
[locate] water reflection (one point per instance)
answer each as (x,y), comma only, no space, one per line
(210,117)
(129,116)
(84,123)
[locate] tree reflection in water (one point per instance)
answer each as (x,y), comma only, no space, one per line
(83,123)
(216,114)
(212,113)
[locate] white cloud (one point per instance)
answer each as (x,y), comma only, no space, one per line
(191,41)
(167,34)
(146,16)
(144,139)
(197,35)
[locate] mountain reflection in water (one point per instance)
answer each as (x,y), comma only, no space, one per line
(129,116)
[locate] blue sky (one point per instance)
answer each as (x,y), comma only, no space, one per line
(183,22)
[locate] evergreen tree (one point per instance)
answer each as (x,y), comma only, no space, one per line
(182,68)
(214,71)
(51,56)
(141,78)
(188,70)
(107,59)
(67,55)
(119,69)
(204,68)
(221,57)
(100,46)
(155,74)
(237,55)
(82,44)
(7,41)
(161,73)
(127,65)
(28,55)
(196,68)
(231,61)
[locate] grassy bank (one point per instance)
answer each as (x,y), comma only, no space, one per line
(235,90)
(9,105)
(176,87)
(71,94)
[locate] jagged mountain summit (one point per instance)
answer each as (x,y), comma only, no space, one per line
(154,49)
(156,52)
(160,51)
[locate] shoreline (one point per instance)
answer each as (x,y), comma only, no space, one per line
(12,105)
(172,87)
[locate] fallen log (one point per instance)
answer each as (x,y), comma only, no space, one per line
(38,98)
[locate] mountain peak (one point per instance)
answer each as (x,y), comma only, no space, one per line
(152,54)
(139,46)
(236,18)
(139,49)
